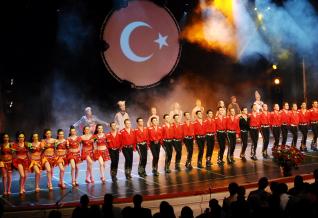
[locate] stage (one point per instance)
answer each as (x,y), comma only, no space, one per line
(176,184)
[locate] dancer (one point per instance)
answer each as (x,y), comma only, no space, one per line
(244,129)
(285,116)
(209,126)
(294,122)
(177,139)
(198,107)
(176,110)
(232,130)
(155,138)
(167,143)
(188,138)
(48,156)
(259,103)
(265,129)
(89,120)
(6,163)
(199,132)
(304,117)
(35,152)
(234,105)
(21,160)
(220,104)
(220,127)
(113,145)
(142,143)
(87,140)
(254,130)
(74,154)
(314,124)
(128,146)
(276,123)
(101,153)
(153,111)
(61,148)
(122,115)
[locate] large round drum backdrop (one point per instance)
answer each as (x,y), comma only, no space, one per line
(143,43)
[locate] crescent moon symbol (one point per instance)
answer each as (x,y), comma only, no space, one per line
(124,42)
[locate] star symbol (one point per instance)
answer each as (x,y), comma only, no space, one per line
(161,41)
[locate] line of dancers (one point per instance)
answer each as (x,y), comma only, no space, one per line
(38,154)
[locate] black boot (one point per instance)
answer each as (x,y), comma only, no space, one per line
(265,155)
(242,156)
(177,167)
(113,174)
(253,153)
(200,164)
(127,174)
(208,162)
(167,168)
(220,160)
(140,171)
(188,165)
(144,171)
(313,146)
(155,171)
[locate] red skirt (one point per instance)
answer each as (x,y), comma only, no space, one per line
(76,156)
(50,159)
(86,153)
(6,165)
(101,153)
(62,159)
(24,162)
(35,163)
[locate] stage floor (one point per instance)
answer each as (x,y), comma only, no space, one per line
(185,182)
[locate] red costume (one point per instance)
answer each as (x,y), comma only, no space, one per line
(220,124)
(88,148)
(232,124)
(25,162)
(209,126)
(188,129)
(285,117)
(74,144)
(275,119)
(101,141)
(6,163)
(155,134)
(255,120)
(178,131)
(199,129)
(304,118)
(313,115)
(61,152)
(128,139)
(142,136)
(113,142)
(167,132)
(51,159)
(294,118)
(265,119)
(33,162)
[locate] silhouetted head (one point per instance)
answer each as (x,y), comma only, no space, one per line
(233,187)
(108,199)
(298,181)
(262,183)
(186,212)
(137,199)
(84,201)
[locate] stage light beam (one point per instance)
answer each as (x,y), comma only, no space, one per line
(274,66)
(277,81)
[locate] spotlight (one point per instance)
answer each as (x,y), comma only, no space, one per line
(255,9)
(274,66)
(277,81)
(259,16)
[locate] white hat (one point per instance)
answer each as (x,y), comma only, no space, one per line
(120,103)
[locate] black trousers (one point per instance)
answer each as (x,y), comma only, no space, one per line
(221,137)
(254,133)
(244,138)
(114,157)
(210,141)
(231,137)
(265,134)
(189,146)
(128,154)
(200,141)
(276,135)
(177,144)
(142,151)
(284,134)
(168,146)
(155,150)
(294,131)
(304,131)
(314,128)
